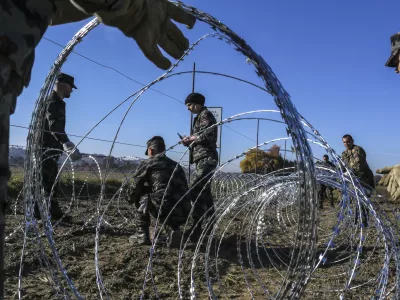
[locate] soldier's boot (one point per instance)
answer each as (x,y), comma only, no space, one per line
(364,213)
(194,233)
(55,211)
(36,212)
(141,237)
(174,238)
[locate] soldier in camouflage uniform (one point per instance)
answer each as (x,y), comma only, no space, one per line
(204,154)
(356,159)
(23,24)
(394,59)
(324,189)
(166,186)
(55,138)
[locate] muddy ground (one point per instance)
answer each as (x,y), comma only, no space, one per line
(122,265)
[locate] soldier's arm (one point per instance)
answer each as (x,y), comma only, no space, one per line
(206,134)
(360,159)
(344,159)
(56,119)
(139,188)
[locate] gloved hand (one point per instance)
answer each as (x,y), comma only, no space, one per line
(186,141)
(68,147)
(391,180)
(143,205)
(148,22)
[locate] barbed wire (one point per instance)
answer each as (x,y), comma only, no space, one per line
(142,84)
(284,246)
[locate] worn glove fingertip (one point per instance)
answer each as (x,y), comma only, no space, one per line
(164,64)
(192,23)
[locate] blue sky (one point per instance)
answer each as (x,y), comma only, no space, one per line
(329,56)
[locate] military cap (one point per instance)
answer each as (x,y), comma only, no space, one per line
(195,98)
(155,141)
(65,78)
(395,40)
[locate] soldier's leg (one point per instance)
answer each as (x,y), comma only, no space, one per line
(8,99)
(49,175)
(142,222)
(321,195)
(201,194)
(330,196)
(174,222)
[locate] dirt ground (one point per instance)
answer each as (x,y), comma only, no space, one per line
(244,268)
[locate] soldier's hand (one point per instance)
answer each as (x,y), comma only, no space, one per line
(185,141)
(188,140)
(69,148)
(149,22)
(143,205)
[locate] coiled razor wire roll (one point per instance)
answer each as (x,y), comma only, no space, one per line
(275,216)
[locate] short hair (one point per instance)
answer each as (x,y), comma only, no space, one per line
(157,144)
(347,136)
(325,155)
(158,148)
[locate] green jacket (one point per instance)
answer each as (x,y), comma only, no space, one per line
(206,143)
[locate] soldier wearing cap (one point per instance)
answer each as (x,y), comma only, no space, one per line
(204,154)
(160,188)
(55,140)
(394,59)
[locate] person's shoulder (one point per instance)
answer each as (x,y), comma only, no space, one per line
(144,164)
(54,99)
(161,160)
(358,148)
(208,113)
(208,116)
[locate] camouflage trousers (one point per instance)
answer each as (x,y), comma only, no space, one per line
(325,191)
(174,219)
(201,188)
(8,100)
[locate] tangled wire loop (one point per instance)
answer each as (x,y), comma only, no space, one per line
(284,245)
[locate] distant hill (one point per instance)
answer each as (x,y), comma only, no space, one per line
(87,163)
(17,159)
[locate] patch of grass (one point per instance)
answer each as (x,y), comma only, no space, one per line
(85,183)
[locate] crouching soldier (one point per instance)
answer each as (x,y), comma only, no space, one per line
(160,184)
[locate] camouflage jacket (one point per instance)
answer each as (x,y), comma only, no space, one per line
(55,122)
(206,143)
(24,22)
(356,159)
(156,172)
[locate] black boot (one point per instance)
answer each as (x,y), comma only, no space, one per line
(55,211)
(193,232)
(174,237)
(36,212)
(141,237)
